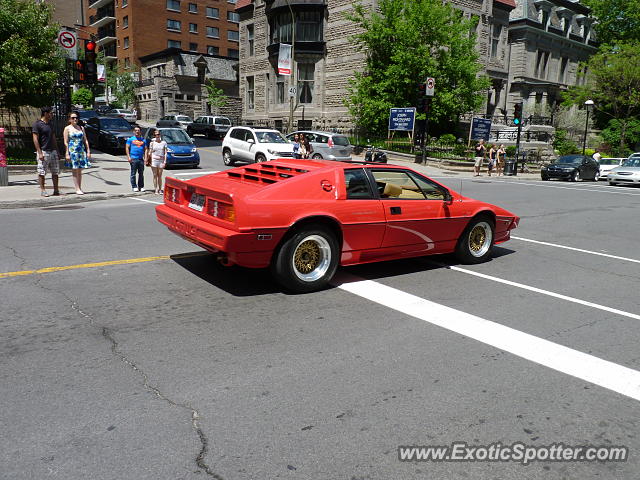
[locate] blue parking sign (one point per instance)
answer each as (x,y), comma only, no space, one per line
(402,119)
(480,129)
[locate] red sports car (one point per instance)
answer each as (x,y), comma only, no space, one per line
(303,218)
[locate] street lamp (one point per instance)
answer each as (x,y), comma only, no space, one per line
(587,104)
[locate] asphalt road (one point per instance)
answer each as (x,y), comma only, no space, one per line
(177,368)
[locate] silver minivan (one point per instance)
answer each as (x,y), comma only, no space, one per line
(331,146)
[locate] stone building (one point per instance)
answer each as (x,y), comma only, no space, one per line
(326,59)
(172,81)
(548,40)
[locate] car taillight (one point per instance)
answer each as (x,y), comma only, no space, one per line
(330,142)
(172,194)
(223,211)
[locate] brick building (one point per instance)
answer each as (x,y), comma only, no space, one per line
(326,59)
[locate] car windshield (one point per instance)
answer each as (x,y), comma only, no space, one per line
(222,121)
(183,118)
(609,161)
(570,159)
(174,136)
(88,114)
(115,124)
(340,140)
(632,162)
(270,137)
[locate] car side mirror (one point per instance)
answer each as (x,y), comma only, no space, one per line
(448,198)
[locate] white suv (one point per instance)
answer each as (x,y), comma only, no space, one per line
(253,144)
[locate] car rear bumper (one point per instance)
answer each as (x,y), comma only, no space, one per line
(238,247)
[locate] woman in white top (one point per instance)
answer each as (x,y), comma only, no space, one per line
(157,159)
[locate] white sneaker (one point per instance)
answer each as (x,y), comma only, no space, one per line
(141,189)
(135,189)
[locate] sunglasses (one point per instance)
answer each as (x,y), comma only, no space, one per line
(74,118)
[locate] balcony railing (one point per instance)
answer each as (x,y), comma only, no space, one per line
(110,51)
(102,16)
(527,120)
(109,31)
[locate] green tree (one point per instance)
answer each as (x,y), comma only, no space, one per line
(613,132)
(618,20)
(215,95)
(29,59)
(613,83)
(83,96)
(122,86)
(405,42)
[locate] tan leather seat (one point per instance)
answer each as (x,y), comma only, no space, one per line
(391,190)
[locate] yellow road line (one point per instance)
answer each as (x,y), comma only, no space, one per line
(98,264)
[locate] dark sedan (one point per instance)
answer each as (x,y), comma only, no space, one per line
(573,168)
(108,133)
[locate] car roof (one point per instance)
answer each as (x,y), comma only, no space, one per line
(318,132)
(254,127)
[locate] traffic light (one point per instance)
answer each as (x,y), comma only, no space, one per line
(79,71)
(91,69)
(517,113)
(423,105)
(422,90)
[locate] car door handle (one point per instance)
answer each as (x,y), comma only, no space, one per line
(395,210)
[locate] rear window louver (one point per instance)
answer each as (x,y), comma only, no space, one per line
(266,173)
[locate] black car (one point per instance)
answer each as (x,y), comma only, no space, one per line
(108,133)
(211,126)
(85,115)
(573,168)
(104,109)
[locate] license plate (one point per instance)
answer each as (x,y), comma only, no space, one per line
(197,202)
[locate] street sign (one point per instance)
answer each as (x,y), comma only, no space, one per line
(480,129)
(431,87)
(68,42)
(402,119)
(293,91)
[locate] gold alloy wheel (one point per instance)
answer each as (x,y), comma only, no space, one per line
(477,238)
(311,258)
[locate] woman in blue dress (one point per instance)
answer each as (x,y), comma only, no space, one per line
(78,152)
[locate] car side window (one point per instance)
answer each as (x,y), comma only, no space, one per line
(401,184)
(431,190)
(321,139)
(237,134)
(357,184)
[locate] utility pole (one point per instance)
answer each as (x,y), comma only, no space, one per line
(293,65)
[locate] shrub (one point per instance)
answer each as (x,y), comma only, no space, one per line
(448,139)
(563,145)
(511,150)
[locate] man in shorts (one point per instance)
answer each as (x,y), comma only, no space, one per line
(478,157)
(46,145)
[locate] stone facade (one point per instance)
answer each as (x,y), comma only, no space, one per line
(170,84)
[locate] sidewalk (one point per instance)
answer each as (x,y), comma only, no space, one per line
(107,178)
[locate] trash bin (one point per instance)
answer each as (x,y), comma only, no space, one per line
(509,167)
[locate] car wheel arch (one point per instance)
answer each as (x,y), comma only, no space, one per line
(326,221)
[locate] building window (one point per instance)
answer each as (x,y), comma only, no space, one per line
(174,44)
(193,28)
(193,47)
(127,62)
(193,8)
(233,36)
(280,83)
(213,12)
(308,27)
(495,40)
(125,3)
(125,21)
(542,61)
(232,1)
(233,53)
(213,32)
(306,73)
(233,17)
(174,25)
(126,42)
(211,50)
(173,5)
(250,93)
(250,40)
(191,97)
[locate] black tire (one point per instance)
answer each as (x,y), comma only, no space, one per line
(545,178)
(317,156)
(596,177)
(575,176)
(260,158)
(226,157)
(475,243)
(307,260)
(612,184)
(189,132)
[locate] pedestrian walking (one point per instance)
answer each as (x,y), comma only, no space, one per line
(597,156)
(136,153)
(306,150)
(78,153)
(157,159)
(296,146)
(480,151)
(502,153)
(492,159)
(44,139)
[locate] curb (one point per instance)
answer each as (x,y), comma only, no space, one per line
(69,199)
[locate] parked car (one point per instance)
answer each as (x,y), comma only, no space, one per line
(608,164)
(573,168)
(104,109)
(180,121)
(331,146)
(85,115)
(209,125)
(128,115)
(180,148)
(252,144)
(108,133)
(304,218)
(627,173)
